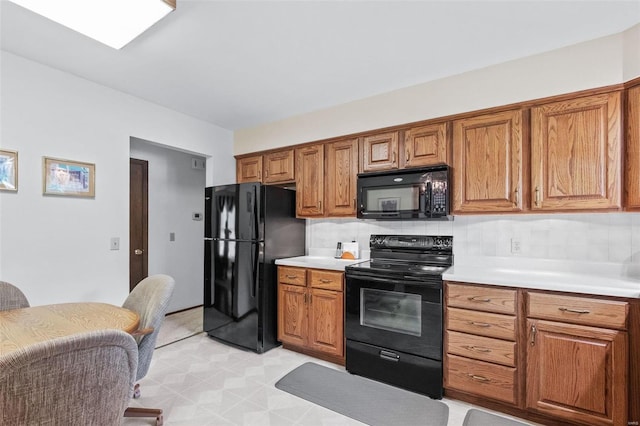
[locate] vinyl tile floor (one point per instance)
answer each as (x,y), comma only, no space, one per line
(200,382)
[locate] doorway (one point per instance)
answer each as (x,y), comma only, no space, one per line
(138,221)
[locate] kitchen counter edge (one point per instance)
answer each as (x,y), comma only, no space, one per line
(318,262)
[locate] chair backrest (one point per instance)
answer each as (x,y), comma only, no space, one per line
(149,299)
(84,378)
(11,297)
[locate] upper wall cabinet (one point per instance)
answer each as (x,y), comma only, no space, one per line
(379,152)
(426,146)
(576,153)
(489,163)
(341,166)
(421,146)
(278,166)
(310,181)
(633,149)
(249,169)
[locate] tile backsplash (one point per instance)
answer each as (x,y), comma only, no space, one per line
(600,237)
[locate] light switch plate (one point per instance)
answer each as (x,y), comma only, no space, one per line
(115,243)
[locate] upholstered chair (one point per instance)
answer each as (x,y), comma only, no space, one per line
(81,379)
(150,300)
(11,297)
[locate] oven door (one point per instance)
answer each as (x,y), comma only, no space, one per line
(401,314)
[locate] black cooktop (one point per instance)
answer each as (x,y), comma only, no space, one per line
(407,255)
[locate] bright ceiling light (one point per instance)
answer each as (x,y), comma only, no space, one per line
(112,22)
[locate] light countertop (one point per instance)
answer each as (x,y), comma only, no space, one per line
(318,262)
(606,279)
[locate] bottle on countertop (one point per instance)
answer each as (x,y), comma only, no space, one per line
(338,254)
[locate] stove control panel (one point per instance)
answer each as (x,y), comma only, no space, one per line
(417,242)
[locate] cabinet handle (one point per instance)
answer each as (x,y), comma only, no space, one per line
(575,311)
(479,324)
(477,299)
(325,281)
(319,205)
(478,378)
(537,197)
(291,277)
(260,174)
(517,196)
(408,156)
(477,349)
(305,298)
(310,298)
(534,330)
(266,173)
(394,158)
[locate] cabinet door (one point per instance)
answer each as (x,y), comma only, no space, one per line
(310,181)
(576,154)
(380,152)
(342,169)
(326,321)
(577,373)
(633,149)
(292,314)
(489,163)
(249,169)
(426,146)
(278,166)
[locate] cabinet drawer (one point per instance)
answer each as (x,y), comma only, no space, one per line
(482,348)
(294,276)
(481,378)
(329,280)
(578,310)
(482,323)
(482,298)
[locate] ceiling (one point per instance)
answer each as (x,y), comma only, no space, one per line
(239,64)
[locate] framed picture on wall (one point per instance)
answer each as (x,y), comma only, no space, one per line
(70,178)
(8,170)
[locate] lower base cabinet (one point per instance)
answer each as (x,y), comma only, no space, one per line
(570,364)
(311,312)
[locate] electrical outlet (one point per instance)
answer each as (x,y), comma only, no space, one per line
(172,236)
(516,246)
(115,243)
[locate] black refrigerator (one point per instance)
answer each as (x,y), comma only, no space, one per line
(248,226)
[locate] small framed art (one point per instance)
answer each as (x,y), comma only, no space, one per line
(8,170)
(66,177)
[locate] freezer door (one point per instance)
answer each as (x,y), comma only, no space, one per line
(233,212)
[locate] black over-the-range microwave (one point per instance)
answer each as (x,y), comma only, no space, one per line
(404,194)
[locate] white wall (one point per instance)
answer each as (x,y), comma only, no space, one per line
(57,248)
(583,66)
(632,53)
(176,191)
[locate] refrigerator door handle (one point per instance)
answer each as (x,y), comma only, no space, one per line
(255,257)
(256,222)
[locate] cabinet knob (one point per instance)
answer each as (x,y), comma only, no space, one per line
(534,330)
(138,252)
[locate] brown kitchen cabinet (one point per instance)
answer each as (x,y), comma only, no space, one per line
(379,152)
(481,348)
(249,169)
(340,178)
(279,166)
(632,178)
(490,163)
(576,154)
(311,312)
(326,179)
(310,181)
(577,358)
(418,146)
(426,146)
